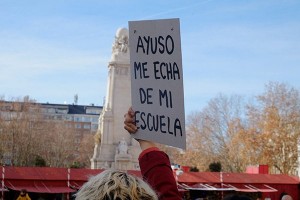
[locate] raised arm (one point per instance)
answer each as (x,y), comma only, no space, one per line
(155,164)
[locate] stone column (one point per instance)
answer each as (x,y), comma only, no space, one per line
(118,100)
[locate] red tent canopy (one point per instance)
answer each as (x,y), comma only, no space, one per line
(233,178)
(79,176)
(37,179)
(63,180)
(271,185)
(49,179)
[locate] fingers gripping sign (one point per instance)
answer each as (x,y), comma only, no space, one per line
(129,122)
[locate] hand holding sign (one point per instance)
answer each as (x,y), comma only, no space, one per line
(156,81)
(129,122)
(129,125)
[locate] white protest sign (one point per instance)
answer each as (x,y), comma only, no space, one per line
(157,81)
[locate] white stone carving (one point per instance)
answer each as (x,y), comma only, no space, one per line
(122,147)
(120,50)
(121,41)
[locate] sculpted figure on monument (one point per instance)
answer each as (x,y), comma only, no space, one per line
(121,41)
(122,147)
(97,137)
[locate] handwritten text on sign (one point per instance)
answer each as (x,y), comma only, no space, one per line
(156,81)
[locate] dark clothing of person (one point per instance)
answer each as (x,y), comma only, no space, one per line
(236,197)
(156,170)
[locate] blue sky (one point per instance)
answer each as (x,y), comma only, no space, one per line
(52,50)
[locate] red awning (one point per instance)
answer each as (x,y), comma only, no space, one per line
(257,188)
(207,187)
(38,187)
(182,188)
(242,188)
(263,188)
(76,184)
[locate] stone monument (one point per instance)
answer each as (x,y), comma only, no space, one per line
(114,148)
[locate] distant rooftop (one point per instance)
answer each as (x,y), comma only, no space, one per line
(68,108)
(75,109)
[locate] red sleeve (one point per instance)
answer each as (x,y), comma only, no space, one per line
(147,151)
(156,170)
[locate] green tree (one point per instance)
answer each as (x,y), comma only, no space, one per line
(40,162)
(215,167)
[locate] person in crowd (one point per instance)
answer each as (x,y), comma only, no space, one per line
(236,197)
(23,195)
(115,185)
(158,180)
(286,197)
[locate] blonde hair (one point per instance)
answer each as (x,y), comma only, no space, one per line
(115,185)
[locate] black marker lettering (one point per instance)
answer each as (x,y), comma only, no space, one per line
(158,123)
(142,69)
(145,95)
(169,51)
(140,45)
(168,71)
(155,45)
(162,124)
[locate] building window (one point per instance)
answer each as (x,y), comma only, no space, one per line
(95,119)
(77,125)
(87,126)
(70,118)
(59,117)
(94,126)
(77,119)
(51,110)
(86,119)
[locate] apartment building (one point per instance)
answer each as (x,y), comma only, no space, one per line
(84,117)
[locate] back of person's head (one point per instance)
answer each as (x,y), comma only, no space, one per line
(236,197)
(286,197)
(23,192)
(115,185)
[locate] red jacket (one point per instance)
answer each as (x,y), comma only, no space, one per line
(156,170)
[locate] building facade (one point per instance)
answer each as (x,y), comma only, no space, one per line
(83,117)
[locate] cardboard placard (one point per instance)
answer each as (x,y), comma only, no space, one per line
(157,81)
